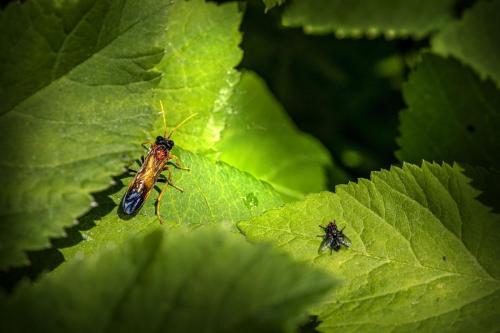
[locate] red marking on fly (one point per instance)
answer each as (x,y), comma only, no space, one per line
(156,161)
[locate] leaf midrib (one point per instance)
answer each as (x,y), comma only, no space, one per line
(366,254)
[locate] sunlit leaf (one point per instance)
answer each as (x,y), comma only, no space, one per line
(203,281)
(198,75)
(424,252)
(214,192)
(261,139)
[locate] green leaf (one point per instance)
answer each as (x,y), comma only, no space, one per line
(273,3)
(206,281)
(198,75)
(488,181)
(213,193)
(452,115)
(424,252)
(75,82)
(261,139)
(475,39)
(354,18)
(198,33)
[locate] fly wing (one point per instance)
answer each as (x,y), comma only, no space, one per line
(324,246)
(344,240)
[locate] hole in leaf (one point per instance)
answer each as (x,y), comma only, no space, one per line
(471,128)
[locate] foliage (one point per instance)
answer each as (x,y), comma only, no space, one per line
(452,115)
(460,39)
(275,147)
(424,251)
(213,193)
(391,18)
(283,119)
(75,85)
(170,283)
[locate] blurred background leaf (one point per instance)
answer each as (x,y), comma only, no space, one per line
(171,283)
(356,18)
(344,92)
(453,116)
(260,138)
(475,39)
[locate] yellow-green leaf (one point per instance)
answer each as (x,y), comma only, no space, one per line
(424,252)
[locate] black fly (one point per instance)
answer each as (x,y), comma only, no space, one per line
(333,238)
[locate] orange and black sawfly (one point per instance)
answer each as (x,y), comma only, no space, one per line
(156,161)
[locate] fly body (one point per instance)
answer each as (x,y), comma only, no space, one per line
(333,238)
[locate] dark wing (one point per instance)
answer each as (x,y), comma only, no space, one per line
(325,245)
(132,201)
(143,182)
(344,240)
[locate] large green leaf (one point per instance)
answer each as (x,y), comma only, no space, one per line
(424,251)
(261,139)
(475,39)
(198,75)
(74,80)
(213,193)
(354,18)
(206,281)
(452,115)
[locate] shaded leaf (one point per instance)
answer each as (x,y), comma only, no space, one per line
(475,39)
(424,251)
(488,181)
(203,281)
(214,192)
(273,3)
(75,82)
(348,18)
(261,139)
(452,115)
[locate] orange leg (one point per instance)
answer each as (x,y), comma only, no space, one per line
(158,201)
(146,144)
(177,162)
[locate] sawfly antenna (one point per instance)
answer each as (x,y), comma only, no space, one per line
(164,118)
(180,124)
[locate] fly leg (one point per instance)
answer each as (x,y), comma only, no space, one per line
(168,182)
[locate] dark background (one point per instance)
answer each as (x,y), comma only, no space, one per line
(344,92)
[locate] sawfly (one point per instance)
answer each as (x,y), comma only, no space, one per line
(156,161)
